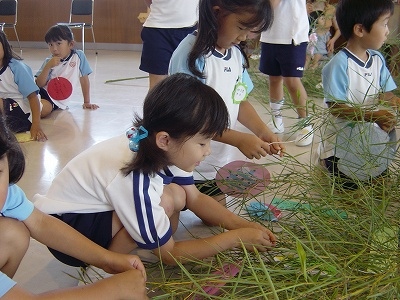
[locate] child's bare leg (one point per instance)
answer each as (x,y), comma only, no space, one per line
(173,200)
(308,60)
(316,59)
(14,242)
(122,242)
(154,79)
(46,109)
(297,93)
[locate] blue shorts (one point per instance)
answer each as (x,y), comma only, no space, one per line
(97,227)
(17,120)
(283,60)
(158,46)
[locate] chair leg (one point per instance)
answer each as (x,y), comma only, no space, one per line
(94,41)
(16,34)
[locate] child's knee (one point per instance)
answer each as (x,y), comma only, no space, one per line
(14,238)
(47,108)
(173,199)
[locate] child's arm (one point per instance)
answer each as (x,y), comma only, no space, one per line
(58,235)
(36,131)
(41,79)
(256,145)
(85,86)
(385,119)
(251,120)
(331,43)
(240,232)
(126,285)
(392,100)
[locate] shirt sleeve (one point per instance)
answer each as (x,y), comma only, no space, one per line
(84,67)
(42,67)
(17,206)
(335,79)
(23,77)
(179,59)
(6,283)
(387,83)
(136,200)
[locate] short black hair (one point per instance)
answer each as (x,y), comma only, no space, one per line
(364,12)
(59,33)
(10,147)
(182,106)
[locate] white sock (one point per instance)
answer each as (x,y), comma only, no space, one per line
(276,111)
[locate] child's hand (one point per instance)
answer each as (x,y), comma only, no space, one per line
(126,285)
(254,147)
(54,61)
(274,141)
(117,263)
(262,240)
(37,133)
(90,106)
(385,119)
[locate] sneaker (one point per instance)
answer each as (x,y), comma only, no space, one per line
(304,137)
(276,127)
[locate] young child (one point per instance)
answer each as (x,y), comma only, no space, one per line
(215,54)
(60,72)
(19,99)
(19,221)
(283,55)
(329,12)
(165,27)
(318,40)
(123,199)
(356,81)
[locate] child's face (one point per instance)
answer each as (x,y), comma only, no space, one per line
(321,21)
(4,180)
(187,156)
(231,30)
(378,34)
(61,48)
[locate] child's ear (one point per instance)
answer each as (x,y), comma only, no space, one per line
(358,30)
(216,9)
(72,44)
(163,140)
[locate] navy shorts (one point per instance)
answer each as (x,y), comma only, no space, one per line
(97,227)
(331,163)
(283,60)
(208,187)
(158,46)
(45,96)
(17,120)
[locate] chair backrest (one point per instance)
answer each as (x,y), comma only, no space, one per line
(8,10)
(81,8)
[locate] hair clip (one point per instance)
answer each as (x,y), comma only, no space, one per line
(135,135)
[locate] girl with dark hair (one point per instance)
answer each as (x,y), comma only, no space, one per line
(122,199)
(19,221)
(19,99)
(215,54)
(62,70)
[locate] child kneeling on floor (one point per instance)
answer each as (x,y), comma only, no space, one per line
(125,193)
